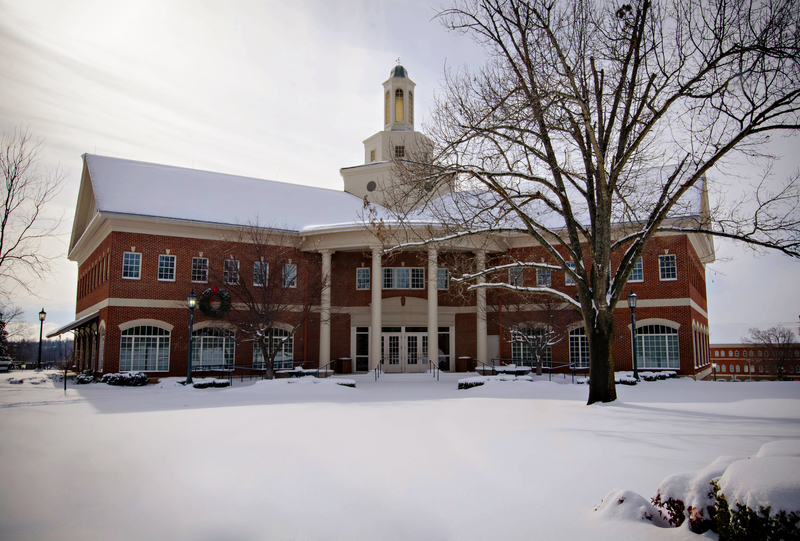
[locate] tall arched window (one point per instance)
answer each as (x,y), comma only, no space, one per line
(386,108)
(657,347)
(101,348)
(285,347)
(144,348)
(212,346)
(398,105)
(579,348)
(410,107)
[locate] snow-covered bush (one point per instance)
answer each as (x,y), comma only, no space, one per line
(211,382)
(628,505)
(125,379)
(87,376)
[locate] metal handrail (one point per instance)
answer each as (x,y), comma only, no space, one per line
(323,366)
(378,369)
(434,367)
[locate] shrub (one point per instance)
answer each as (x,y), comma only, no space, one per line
(469,384)
(211,382)
(347,384)
(744,524)
(87,376)
(125,379)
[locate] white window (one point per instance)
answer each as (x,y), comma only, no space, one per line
(522,353)
(761,369)
(543,277)
(657,347)
(579,348)
(716,353)
(260,273)
(736,353)
(362,278)
(760,353)
(738,368)
(212,347)
(667,267)
(568,281)
(637,274)
(403,278)
(722,366)
(144,349)
(283,344)
(166,268)
(230,271)
(290,275)
(131,265)
(515,276)
(731,368)
(200,269)
(442,279)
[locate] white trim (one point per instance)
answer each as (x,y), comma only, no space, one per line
(214,323)
(146,322)
(174,268)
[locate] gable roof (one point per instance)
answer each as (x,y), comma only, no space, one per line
(135,188)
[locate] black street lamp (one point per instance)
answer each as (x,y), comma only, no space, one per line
(632,306)
(191,300)
(714,368)
(42,315)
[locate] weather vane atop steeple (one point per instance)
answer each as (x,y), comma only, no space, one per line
(398,60)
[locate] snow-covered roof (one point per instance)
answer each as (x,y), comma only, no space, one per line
(163,191)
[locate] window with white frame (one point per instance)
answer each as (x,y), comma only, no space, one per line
(515,276)
(521,351)
(568,281)
(722,366)
(736,353)
(579,348)
(144,349)
(230,271)
(290,275)
(362,278)
(716,353)
(166,268)
(657,347)
(131,265)
(260,273)
(283,345)
(543,277)
(403,278)
(442,279)
(212,347)
(200,269)
(667,267)
(637,274)
(399,151)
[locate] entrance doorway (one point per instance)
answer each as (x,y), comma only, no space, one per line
(404,349)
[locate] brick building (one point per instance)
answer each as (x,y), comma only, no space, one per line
(752,362)
(145,235)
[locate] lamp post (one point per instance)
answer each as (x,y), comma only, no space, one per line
(714,368)
(191,300)
(42,315)
(632,306)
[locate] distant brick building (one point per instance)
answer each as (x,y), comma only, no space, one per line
(748,361)
(145,235)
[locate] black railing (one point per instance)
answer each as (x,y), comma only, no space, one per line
(229,371)
(378,370)
(433,367)
(323,367)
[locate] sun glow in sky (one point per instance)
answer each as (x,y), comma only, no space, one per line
(276,90)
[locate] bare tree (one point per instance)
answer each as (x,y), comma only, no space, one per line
(777,343)
(273,286)
(26,191)
(593,127)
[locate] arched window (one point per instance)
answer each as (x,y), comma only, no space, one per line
(410,107)
(101,348)
(398,105)
(144,348)
(579,348)
(386,108)
(284,344)
(212,346)
(657,347)
(521,350)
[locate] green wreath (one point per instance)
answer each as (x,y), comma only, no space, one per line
(222,296)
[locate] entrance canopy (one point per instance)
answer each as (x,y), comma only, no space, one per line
(74,325)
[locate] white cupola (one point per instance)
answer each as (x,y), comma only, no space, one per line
(398,101)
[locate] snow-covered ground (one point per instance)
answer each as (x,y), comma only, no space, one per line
(406,457)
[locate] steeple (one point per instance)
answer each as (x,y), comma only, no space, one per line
(398,100)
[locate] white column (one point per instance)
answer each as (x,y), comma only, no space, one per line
(433,306)
(376,283)
(481,307)
(325,311)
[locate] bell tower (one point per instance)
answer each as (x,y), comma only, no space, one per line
(397,140)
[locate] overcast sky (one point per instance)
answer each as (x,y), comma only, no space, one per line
(265,89)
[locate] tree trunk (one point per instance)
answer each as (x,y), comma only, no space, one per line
(267,356)
(601,361)
(539,363)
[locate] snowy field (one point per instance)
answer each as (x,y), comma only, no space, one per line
(403,458)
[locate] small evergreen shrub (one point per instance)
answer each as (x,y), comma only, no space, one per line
(347,384)
(125,379)
(211,383)
(87,376)
(745,524)
(469,384)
